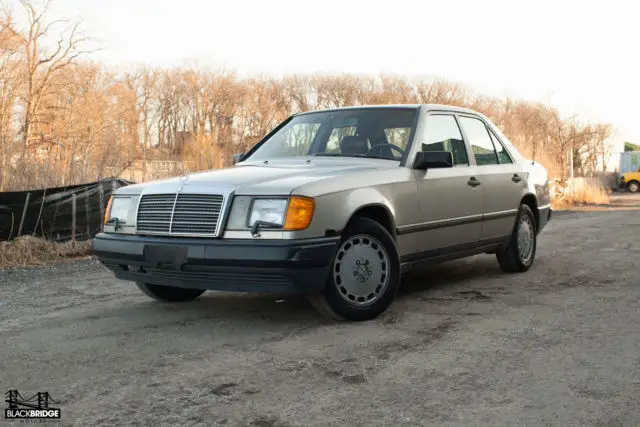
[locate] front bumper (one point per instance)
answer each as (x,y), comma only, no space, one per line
(279,266)
(545,217)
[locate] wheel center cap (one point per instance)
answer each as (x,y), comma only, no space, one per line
(362,270)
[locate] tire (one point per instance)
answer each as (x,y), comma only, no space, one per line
(634,186)
(517,256)
(169,293)
(365,274)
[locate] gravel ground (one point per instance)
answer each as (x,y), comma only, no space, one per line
(462,345)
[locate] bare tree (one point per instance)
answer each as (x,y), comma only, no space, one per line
(41,64)
(87,123)
(10,86)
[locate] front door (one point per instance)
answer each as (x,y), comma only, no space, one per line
(450,202)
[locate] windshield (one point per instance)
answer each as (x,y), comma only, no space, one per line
(368,132)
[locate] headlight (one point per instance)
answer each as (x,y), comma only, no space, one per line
(271,211)
(118,208)
(288,214)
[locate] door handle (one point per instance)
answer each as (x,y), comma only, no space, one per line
(473,182)
(516,178)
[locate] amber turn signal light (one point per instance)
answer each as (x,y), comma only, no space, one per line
(299,213)
(107,211)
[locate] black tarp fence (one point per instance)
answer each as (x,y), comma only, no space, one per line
(53,213)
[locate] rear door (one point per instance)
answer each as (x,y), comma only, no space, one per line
(500,178)
(450,203)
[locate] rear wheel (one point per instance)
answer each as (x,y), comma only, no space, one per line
(365,274)
(634,186)
(519,253)
(169,293)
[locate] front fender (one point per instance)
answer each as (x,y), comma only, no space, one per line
(333,211)
(345,204)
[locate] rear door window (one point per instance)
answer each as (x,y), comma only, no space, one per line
(480,141)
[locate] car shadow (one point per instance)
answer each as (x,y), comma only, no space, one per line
(449,275)
(285,310)
(253,308)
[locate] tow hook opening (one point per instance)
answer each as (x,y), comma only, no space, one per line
(132,268)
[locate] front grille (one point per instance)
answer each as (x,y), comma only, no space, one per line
(154,213)
(197,214)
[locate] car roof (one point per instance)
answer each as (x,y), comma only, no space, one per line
(426,107)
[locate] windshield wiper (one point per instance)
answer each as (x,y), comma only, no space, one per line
(366,156)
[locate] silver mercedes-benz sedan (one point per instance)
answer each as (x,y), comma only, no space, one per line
(335,204)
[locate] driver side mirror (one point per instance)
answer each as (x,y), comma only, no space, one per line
(237,157)
(433,159)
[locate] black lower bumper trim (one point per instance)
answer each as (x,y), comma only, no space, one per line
(545,217)
(280,266)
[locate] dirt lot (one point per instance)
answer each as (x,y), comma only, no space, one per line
(463,345)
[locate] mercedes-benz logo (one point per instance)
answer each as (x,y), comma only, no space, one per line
(183,181)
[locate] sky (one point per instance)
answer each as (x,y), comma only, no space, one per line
(580,56)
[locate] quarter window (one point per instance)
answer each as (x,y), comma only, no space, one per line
(480,141)
(443,134)
(503,155)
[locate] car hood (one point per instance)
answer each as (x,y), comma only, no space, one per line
(262,178)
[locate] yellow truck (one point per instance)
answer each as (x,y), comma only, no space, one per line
(630,181)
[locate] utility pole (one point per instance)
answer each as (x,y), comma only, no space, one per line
(571,170)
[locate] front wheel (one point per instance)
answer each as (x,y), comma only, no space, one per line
(634,186)
(519,253)
(169,293)
(365,274)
